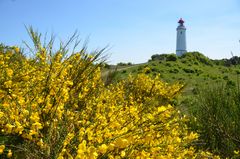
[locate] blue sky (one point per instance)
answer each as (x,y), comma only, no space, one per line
(133,29)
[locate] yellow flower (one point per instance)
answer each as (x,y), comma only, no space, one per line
(123,154)
(32,132)
(1,114)
(8,84)
(40,100)
(16,49)
(26,78)
(1,62)
(170,148)
(9,155)
(19,128)
(236,152)
(35,117)
(9,72)
(37,125)
(111,146)
(122,143)
(40,143)
(5,104)
(103,148)
(9,128)
(2,147)
(192,136)
(82,147)
(1,151)
(161,109)
(60,157)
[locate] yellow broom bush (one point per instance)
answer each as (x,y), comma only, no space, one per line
(53,106)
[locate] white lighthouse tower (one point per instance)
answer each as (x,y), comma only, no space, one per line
(181,39)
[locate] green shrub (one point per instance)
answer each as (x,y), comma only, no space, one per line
(194,57)
(164,57)
(213,77)
(188,70)
(231,83)
(124,71)
(154,69)
(196,63)
(153,64)
(225,77)
(168,64)
(140,68)
(198,71)
(184,61)
(175,70)
(238,72)
(124,64)
(172,57)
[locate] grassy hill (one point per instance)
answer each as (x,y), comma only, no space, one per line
(192,69)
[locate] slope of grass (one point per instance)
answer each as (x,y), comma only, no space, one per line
(193,69)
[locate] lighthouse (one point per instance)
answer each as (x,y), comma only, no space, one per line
(181,39)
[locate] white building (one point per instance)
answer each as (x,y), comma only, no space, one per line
(181,39)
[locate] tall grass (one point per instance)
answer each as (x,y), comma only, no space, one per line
(217,118)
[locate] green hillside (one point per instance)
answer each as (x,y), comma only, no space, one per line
(192,69)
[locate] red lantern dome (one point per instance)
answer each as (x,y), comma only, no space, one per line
(181,21)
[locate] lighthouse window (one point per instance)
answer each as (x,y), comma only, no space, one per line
(180,32)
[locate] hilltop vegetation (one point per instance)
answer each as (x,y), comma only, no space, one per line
(192,69)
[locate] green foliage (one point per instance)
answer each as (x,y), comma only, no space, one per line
(217,112)
(168,64)
(191,68)
(124,64)
(195,57)
(164,57)
(188,70)
(172,57)
(175,70)
(158,57)
(235,60)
